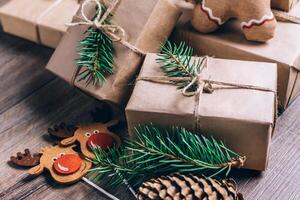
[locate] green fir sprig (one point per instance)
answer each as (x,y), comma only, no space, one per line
(178,61)
(155,152)
(112,167)
(96,59)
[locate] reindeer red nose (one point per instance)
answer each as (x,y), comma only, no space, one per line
(68,164)
(102,140)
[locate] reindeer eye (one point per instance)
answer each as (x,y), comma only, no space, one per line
(62,154)
(87,134)
(54,159)
(96,131)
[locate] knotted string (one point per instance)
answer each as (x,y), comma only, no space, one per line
(203,86)
(115,32)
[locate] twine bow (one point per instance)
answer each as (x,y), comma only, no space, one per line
(199,81)
(203,86)
(115,32)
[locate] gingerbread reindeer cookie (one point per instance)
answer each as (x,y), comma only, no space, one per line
(257,20)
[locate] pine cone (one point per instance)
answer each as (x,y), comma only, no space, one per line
(189,187)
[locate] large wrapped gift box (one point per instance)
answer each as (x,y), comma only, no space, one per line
(285,5)
(243,118)
(147,24)
(41,21)
(228,42)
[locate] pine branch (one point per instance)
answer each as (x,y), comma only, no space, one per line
(96,59)
(178,62)
(111,168)
(157,152)
(180,150)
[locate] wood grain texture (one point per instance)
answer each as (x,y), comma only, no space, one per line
(282,179)
(15,68)
(32,100)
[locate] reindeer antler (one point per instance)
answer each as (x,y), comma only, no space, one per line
(26,159)
(62,131)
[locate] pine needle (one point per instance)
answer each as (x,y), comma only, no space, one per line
(155,152)
(96,59)
(178,61)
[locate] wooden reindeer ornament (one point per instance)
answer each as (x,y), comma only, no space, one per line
(65,165)
(257,20)
(89,136)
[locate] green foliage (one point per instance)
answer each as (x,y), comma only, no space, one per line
(178,61)
(157,152)
(112,167)
(96,59)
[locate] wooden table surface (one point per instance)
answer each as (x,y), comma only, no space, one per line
(32,99)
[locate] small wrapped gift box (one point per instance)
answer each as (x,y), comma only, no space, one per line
(242,115)
(285,5)
(147,24)
(41,21)
(229,43)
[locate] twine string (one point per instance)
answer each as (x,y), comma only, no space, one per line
(115,32)
(203,86)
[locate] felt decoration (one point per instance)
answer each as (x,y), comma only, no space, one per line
(257,20)
(94,135)
(26,159)
(62,131)
(64,164)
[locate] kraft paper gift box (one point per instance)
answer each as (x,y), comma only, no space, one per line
(285,5)
(147,24)
(52,26)
(40,21)
(229,43)
(243,118)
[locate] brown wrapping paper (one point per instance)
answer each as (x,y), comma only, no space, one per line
(285,5)
(242,118)
(52,26)
(148,23)
(228,42)
(41,21)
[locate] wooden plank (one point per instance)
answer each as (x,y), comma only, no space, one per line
(25,126)
(282,179)
(21,69)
